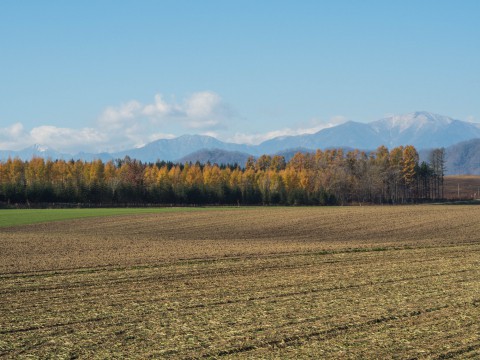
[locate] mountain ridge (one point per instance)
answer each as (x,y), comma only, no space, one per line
(424,130)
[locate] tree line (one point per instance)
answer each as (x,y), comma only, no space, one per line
(329,177)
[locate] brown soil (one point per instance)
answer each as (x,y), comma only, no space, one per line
(466,187)
(352,282)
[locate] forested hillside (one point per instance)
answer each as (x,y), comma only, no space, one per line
(320,178)
(464,158)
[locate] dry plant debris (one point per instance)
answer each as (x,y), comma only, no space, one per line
(338,283)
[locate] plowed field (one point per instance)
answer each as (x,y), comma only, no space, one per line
(336,283)
(466,187)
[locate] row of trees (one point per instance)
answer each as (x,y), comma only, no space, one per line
(320,178)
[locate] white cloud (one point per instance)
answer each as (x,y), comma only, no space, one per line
(211,133)
(13,130)
(66,138)
(311,127)
(205,106)
(153,137)
(15,137)
(116,116)
(201,110)
(131,124)
(159,108)
(158,136)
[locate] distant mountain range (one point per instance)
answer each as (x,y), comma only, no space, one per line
(424,130)
(216,156)
(464,158)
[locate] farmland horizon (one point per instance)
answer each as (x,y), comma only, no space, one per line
(239,179)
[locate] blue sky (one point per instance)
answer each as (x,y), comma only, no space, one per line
(106,75)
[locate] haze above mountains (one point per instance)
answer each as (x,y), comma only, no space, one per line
(424,130)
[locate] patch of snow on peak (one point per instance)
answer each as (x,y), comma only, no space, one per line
(40,148)
(419,120)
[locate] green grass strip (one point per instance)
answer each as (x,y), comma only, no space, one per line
(16,217)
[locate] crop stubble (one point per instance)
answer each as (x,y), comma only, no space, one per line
(381,282)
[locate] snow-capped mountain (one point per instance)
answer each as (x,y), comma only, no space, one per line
(36,150)
(421,129)
(417,120)
(424,130)
(350,134)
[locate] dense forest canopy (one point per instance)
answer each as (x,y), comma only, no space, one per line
(320,178)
